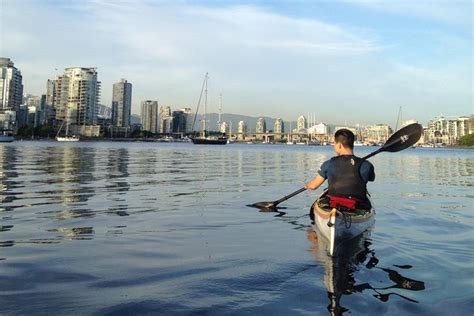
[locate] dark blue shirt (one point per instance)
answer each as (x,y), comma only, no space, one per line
(327,171)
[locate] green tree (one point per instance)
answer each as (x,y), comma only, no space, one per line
(467,140)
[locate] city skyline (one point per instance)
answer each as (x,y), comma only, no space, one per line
(279,59)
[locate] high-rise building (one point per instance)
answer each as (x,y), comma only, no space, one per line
(76,96)
(149,116)
(279,126)
(224,128)
(301,124)
(122,103)
(179,121)
(261,125)
(242,128)
(11,86)
(50,109)
(165,119)
(33,109)
(43,113)
(189,117)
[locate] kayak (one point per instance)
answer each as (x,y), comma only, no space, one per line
(339,224)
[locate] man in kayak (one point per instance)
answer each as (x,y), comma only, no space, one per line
(347,174)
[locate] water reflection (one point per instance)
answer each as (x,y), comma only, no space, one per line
(8,159)
(74,233)
(69,170)
(352,256)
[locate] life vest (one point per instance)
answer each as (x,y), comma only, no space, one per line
(346,181)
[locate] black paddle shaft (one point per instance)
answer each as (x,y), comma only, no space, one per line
(289,196)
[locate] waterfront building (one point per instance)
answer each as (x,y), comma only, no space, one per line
(189,118)
(165,119)
(376,134)
(121,103)
(7,120)
(242,128)
(49,108)
(354,130)
(149,116)
(319,129)
(279,126)
(447,131)
(178,118)
(11,85)
(33,116)
(301,124)
(224,128)
(33,106)
(21,116)
(42,109)
(261,125)
(76,96)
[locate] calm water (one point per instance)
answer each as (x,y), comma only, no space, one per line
(143,228)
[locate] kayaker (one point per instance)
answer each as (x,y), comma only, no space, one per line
(347,174)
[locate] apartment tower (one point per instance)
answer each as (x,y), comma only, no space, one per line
(121,103)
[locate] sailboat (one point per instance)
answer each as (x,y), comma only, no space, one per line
(204,138)
(289,141)
(66,138)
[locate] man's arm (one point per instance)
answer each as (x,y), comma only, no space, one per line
(315,183)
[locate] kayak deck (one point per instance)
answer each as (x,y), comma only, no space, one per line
(340,224)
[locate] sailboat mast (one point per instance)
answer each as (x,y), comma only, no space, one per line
(399,118)
(205,106)
(220,112)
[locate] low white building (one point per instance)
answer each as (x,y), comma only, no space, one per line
(378,133)
(442,130)
(319,129)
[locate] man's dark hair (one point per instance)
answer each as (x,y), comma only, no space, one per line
(345,137)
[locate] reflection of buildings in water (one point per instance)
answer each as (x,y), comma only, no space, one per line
(117,170)
(449,169)
(8,158)
(75,233)
(350,256)
(146,162)
(69,213)
(74,167)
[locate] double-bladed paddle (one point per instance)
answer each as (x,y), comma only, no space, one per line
(404,138)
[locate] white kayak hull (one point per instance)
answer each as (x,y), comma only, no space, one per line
(337,225)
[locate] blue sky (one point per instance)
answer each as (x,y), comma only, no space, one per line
(353,62)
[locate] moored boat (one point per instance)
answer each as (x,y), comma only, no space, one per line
(73,138)
(340,224)
(209,141)
(6,137)
(66,137)
(205,138)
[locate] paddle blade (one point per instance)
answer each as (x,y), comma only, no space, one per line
(403,138)
(264,205)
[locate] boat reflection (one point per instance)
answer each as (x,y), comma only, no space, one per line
(354,255)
